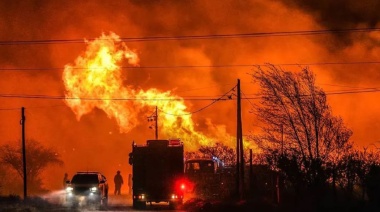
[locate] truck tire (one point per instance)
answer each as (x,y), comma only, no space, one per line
(139,205)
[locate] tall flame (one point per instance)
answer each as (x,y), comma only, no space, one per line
(95,81)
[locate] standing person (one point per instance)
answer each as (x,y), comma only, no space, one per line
(65,179)
(118,180)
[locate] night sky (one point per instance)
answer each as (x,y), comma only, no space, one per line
(39,38)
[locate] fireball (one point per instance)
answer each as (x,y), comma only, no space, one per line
(95,80)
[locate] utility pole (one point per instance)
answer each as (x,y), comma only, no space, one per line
(237,175)
(23,150)
(251,183)
(239,148)
(242,163)
(237,153)
(156,118)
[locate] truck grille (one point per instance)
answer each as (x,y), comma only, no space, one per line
(81,190)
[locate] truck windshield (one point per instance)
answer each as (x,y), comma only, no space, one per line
(85,178)
(200,166)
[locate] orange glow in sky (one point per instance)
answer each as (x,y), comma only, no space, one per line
(90,73)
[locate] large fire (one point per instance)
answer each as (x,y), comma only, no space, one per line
(95,81)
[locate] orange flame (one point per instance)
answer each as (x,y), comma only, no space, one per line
(95,81)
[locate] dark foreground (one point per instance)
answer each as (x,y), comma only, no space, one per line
(116,203)
(123,203)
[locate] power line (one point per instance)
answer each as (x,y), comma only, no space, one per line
(214,100)
(359,90)
(343,86)
(196,37)
(193,98)
(247,98)
(27,96)
(152,99)
(353,92)
(206,66)
(374,90)
(203,108)
(7,109)
(46,106)
(32,107)
(201,88)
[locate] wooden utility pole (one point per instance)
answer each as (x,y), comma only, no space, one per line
(251,183)
(23,150)
(239,149)
(156,127)
(242,163)
(237,152)
(237,187)
(154,117)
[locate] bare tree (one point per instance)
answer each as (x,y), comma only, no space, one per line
(297,121)
(354,169)
(38,158)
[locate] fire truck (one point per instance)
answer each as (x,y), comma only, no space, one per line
(208,177)
(157,172)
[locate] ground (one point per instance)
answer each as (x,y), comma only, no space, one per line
(54,202)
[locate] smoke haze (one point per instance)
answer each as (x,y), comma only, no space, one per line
(95,142)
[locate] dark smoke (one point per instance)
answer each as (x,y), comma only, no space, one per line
(341,14)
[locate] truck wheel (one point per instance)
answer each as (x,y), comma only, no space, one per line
(134,205)
(139,205)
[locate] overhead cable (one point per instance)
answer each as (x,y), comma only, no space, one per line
(195,37)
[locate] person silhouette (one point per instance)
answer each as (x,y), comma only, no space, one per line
(118,180)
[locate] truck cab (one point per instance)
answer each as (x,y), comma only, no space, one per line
(206,175)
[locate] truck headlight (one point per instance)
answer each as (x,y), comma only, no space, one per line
(69,189)
(93,189)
